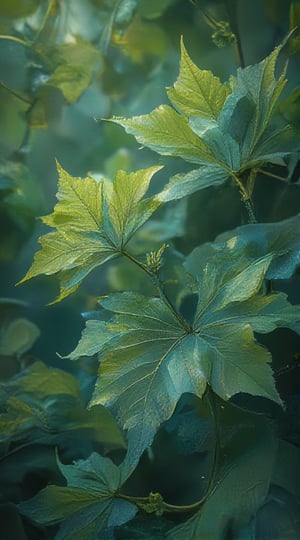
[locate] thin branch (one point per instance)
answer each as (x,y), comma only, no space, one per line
(156,280)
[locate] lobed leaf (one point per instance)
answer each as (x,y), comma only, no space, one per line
(153,357)
(87,504)
(93,222)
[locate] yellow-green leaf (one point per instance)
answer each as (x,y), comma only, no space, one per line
(197,92)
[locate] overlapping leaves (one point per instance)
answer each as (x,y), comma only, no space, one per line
(43,405)
(93,220)
(223,128)
(150,356)
(86,505)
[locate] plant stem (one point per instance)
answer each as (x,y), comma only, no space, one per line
(163,296)
(231,10)
(14,93)
(18,40)
(246,198)
(155,503)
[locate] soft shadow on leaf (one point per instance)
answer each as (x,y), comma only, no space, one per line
(87,505)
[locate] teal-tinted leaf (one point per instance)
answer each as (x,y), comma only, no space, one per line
(154,357)
(182,185)
(168,133)
(93,221)
(253,241)
(241,488)
(87,504)
(255,92)
(150,365)
(18,337)
(197,92)
(225,148)
(274,145)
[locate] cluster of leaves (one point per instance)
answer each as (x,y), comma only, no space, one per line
(175,363)
(197,338)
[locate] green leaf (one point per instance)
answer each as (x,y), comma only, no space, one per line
(43,405)
(153,357)
(248,110)
(18,337)
(197,92)
(41,380)
(94,221)
(182,185)
(167,133)
(250,242)
(87,505)
(71,80)
(127,211)
(241,488)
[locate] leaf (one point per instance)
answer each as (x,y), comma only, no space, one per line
(151,363)
(18,337)
(167,133)
(197,92)
(185,184)
(94,222)
(40,380)
(153,356)
(241,488)
(253,241)
(87,505)
(258,88)
(43,405)
(127,210)
(71,80)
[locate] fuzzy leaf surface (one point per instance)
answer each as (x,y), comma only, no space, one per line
(86,505)
(93,222)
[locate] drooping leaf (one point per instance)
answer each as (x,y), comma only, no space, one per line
(197,92)
(93,223)
(87,505)
(167,133)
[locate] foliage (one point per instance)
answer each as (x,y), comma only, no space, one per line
(172,417)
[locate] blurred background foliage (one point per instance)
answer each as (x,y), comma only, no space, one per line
(66,66)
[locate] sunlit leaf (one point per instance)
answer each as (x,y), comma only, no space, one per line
(168,133)
(93,222)
(197,92)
